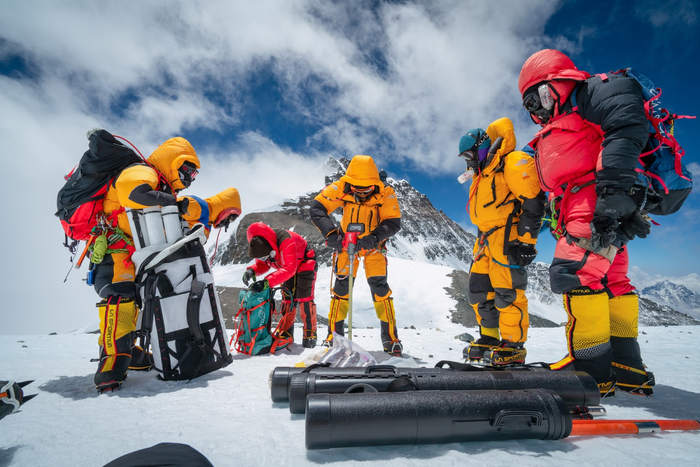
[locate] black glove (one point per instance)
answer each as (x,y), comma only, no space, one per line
(259,286)
(370,242)
(609,210)
(182,205)
(526,254)
(225,223)
(248,275)
(335,241)
(521,254)
(635,226)
(602,232)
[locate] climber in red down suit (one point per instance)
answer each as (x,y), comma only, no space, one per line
(295,270)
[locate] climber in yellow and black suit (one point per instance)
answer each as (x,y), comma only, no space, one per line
(171,168)
(364,199)
(507,205)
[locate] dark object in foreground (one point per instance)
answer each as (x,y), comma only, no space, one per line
(576,388)
(163,455)
(425,417)
(12,397)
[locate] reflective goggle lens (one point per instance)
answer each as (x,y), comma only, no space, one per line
(467,155)
(532,102)
(189,170)
(362,190)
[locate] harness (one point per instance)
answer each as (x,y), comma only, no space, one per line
(517,205)
(109,238)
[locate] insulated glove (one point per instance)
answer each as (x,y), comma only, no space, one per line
(225,223)
(636,226)
(369,242)
(335,241)
(609,210)
(183,205)
(248,275)
(602,232)
(259,286)
(525,254)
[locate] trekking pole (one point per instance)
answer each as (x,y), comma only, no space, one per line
(82,256)
(350,244)
(621,427)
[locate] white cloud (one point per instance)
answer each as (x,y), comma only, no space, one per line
(400,81)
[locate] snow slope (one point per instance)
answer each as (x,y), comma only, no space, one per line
(412,282)
(229,417)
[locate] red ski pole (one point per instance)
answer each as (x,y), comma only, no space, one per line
(620,427)
(350,244)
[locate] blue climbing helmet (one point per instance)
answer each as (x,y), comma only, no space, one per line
(474,147)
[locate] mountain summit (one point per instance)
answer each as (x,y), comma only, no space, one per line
(427,235)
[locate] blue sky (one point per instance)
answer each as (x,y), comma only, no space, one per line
(267,90)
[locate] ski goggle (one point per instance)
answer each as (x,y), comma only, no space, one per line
(537,99)
(467,155)
(362,190)
(189,169)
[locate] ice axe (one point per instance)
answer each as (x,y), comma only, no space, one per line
(350,244)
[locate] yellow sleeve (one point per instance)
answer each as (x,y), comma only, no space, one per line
(330,197)
(194,211)
(521,176)
(130,179)
(390,205)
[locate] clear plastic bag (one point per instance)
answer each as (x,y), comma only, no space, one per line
(346,353)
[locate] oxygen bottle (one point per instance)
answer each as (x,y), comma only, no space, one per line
(466,176)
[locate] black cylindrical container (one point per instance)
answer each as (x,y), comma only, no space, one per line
(576,388)
(425,417)
(280,377)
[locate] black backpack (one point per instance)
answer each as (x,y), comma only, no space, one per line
(79,202)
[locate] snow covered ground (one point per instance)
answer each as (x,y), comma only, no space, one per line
(229,417)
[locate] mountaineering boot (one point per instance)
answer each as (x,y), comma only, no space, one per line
(117,335)
(392,345)
(387,320)
(627,365)
(633,380)
(308,317)
(338,328)
(285,327)
(607,389)
(475,350)
(568,363)
(140,360)
(310,341)
(507,353)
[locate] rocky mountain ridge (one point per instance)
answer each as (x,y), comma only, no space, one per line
(428,235)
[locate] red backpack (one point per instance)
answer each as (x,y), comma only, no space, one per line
(80,200)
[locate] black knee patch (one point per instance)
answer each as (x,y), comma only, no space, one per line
(305,284)
(379,286)
(504,297)
(479,288)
